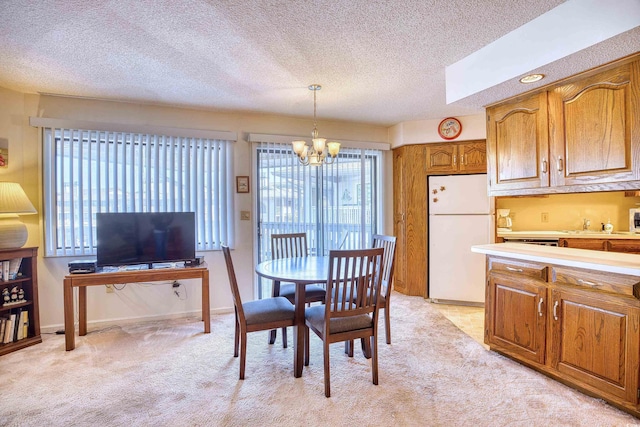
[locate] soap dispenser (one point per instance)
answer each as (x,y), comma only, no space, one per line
(608,227)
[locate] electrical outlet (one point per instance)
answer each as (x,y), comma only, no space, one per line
(110,289)
(544,217)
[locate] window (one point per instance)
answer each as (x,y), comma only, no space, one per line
(325,202)
(88,171)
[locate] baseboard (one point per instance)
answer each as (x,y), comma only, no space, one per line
(50,329)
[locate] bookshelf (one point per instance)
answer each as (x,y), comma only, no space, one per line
(27,280)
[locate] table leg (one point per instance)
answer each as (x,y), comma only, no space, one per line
(274,293)
(69,328)
(298,336)
(82,310)
(206,305)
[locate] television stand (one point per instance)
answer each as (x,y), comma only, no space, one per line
(81,281)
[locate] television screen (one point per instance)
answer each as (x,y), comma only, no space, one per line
(145,238)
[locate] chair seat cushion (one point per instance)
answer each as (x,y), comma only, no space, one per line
(315,316)
(268,310)
(312,292)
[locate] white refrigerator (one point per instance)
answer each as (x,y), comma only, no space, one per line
(461,215)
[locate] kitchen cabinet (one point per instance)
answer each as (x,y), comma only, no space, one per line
(456,157)
(410,220)
(579,135)
(518,144)
(595,331)
(27,280)
(602,244)
(576,325)
(515,312)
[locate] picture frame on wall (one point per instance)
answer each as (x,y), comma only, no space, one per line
(242,184)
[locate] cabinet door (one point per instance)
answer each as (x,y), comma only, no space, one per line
(593,129)
(593,244)
(399,213)
(595,340)
(442,158)
(516,318)
(631,246)
(473,157)
(518,144)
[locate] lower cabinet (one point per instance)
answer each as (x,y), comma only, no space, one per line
(612,245)
(594,341)
(578,326)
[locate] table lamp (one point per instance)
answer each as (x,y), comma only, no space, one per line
(13,202)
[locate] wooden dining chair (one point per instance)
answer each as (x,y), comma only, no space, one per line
(389,245)
(354,314)
(252,316)
(291,245)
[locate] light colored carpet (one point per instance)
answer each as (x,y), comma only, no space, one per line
(169,373)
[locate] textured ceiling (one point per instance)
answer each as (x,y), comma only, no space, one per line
(380,62)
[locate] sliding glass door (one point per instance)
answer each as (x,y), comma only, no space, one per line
(337,205)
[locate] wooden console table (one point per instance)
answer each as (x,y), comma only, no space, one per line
(81,281)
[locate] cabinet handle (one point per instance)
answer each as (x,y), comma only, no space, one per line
(455,160)
(540,307)
(518,270)
(555,310)
(560,164)
(588,283)
(462,159)
(544,166)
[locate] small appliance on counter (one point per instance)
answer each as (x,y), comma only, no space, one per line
(504,221)
(634,220)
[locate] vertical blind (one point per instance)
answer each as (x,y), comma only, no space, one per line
(337,205)
(89,171)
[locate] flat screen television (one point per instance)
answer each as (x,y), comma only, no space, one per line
(145,238)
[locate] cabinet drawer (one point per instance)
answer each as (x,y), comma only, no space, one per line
(602,281)
(523,268)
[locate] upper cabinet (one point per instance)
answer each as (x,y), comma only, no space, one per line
(457,157)
(580,135)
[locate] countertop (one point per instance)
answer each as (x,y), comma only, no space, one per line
(573,234)
(613,262)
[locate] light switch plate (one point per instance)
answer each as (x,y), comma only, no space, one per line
(245,216)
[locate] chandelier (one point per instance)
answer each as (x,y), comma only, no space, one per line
(315,155)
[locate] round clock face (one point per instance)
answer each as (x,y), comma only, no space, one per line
(450,128)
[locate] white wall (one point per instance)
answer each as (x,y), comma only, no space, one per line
(135,300)
(426,131)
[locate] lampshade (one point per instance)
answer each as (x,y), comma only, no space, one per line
(13,202)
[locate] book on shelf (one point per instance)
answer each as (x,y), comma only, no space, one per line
(8,330)
(17,334)
(14,267)
(5,270)
(25,323)
(3,324)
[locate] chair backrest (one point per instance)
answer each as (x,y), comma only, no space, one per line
(292,245)
(389,245)
(346,269)
(237,301)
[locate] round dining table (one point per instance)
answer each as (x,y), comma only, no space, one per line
(301,271)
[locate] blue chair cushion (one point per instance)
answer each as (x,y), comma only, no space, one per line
(315,316)
(268,310)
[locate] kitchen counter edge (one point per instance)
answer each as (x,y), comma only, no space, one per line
(612,262)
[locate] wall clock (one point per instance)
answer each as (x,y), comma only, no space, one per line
(449,128)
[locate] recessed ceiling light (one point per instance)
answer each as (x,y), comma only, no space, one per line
(531,78)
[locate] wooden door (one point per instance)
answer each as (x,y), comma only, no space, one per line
(516,318)
(472,156)
(518,144)
(399,213)
(595,340)
(594,128)
(442,158)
